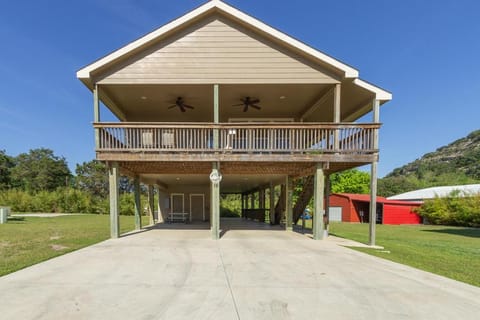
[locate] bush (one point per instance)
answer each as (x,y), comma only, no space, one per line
(64,200)
(453,210)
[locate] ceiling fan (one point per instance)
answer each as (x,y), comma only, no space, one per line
(180,103)
(248,102)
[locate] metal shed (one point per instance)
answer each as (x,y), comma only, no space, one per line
(355,208)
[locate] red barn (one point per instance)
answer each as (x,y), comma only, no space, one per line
(355,208)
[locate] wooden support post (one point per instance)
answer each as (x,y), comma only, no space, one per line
(138,204)
(113,177)
(261,200)
(252,200)
(327,202)
(336,115)
(216,117)
(373,179)
(215,201)
(242,200)
(159,206)
(96,115)
(272,203)
(289,204)
(319,209)
(373,204)
(151,207)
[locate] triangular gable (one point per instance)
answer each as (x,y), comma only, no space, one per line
(85,74)
(215,50)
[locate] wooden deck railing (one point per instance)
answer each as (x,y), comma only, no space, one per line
(236,138)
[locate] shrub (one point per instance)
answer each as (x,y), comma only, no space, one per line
(453,210)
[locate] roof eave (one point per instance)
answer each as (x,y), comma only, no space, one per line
(380,94)
(85,72)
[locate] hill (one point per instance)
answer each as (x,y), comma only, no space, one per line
(453,164)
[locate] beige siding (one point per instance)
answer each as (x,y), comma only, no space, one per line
(216,52)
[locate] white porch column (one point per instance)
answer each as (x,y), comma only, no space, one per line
(96,114)
(373,178)
(216,114)
(272,203)
(215,178)
(319,209)
(289,204)
(336,114)
(113,178)
(138,205)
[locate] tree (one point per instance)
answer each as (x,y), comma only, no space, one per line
(39,170)
(6,165)
(390,186)
(92,177)
(350,181)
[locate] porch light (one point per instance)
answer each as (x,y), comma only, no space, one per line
(215,176)
(282,97)
(143,98)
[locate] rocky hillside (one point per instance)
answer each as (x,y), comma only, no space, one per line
(456,163)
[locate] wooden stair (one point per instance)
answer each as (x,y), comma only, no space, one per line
(304,198)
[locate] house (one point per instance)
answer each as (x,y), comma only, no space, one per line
(349,207)
(434,192)
(217,101)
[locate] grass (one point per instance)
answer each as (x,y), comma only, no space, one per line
(25,241)
(453,252)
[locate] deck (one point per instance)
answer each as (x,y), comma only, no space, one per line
(252,142)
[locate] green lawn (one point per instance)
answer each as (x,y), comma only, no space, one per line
(453,252)
(25,241)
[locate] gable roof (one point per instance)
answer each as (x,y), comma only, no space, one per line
(442,192)
(219,6)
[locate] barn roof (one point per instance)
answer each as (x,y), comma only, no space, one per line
(444,191)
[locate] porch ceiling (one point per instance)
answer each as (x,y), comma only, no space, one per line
(149,103)
(231,183)
(237,176)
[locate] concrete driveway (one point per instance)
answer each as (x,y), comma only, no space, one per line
(261,273)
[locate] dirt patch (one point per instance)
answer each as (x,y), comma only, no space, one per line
(55,237)
(58,247)
(4,244)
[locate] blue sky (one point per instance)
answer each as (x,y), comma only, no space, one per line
(427,53)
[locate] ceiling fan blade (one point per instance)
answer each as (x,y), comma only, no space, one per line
(238,105)
(246,108)
(255,106)
(254,101)
(187,106)
(172,106)
(182,109)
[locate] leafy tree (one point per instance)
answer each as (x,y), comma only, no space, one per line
(92,177)
(40,170)
(6,165)
(350,181)
(390,186)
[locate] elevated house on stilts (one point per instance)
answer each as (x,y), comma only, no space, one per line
(217,101)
